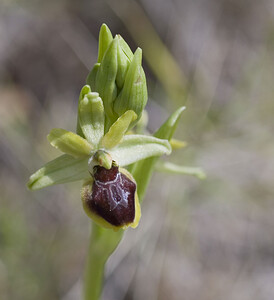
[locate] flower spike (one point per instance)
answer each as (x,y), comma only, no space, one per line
(109,107)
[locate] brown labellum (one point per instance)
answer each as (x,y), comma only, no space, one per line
(112,196)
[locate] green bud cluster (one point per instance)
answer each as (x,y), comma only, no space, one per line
(118,77)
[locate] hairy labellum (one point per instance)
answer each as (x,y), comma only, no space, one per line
(111,199)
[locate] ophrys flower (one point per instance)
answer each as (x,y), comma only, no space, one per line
(109,194)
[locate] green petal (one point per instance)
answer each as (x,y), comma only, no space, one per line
(91,117)
(167,167)
(118,130)
(137,147)
(105,38)
(69,142)
(63,169)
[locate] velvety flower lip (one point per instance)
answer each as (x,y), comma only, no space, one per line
(110,198)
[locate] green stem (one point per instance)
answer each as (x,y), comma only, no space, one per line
(94,271)
(102,243)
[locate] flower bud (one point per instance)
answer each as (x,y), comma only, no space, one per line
(91,116)
(123,64)
(110,198)
(118,77)
(133,95)
(105,83)
(105,38)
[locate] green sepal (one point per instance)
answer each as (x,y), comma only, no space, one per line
(142,170)
(64,168)
(133,95)
(118,129)
(137,147)
(69,142)
(168,167)
(105,79)
(91,117)
(105,38)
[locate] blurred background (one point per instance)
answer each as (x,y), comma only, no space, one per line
(206,240)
